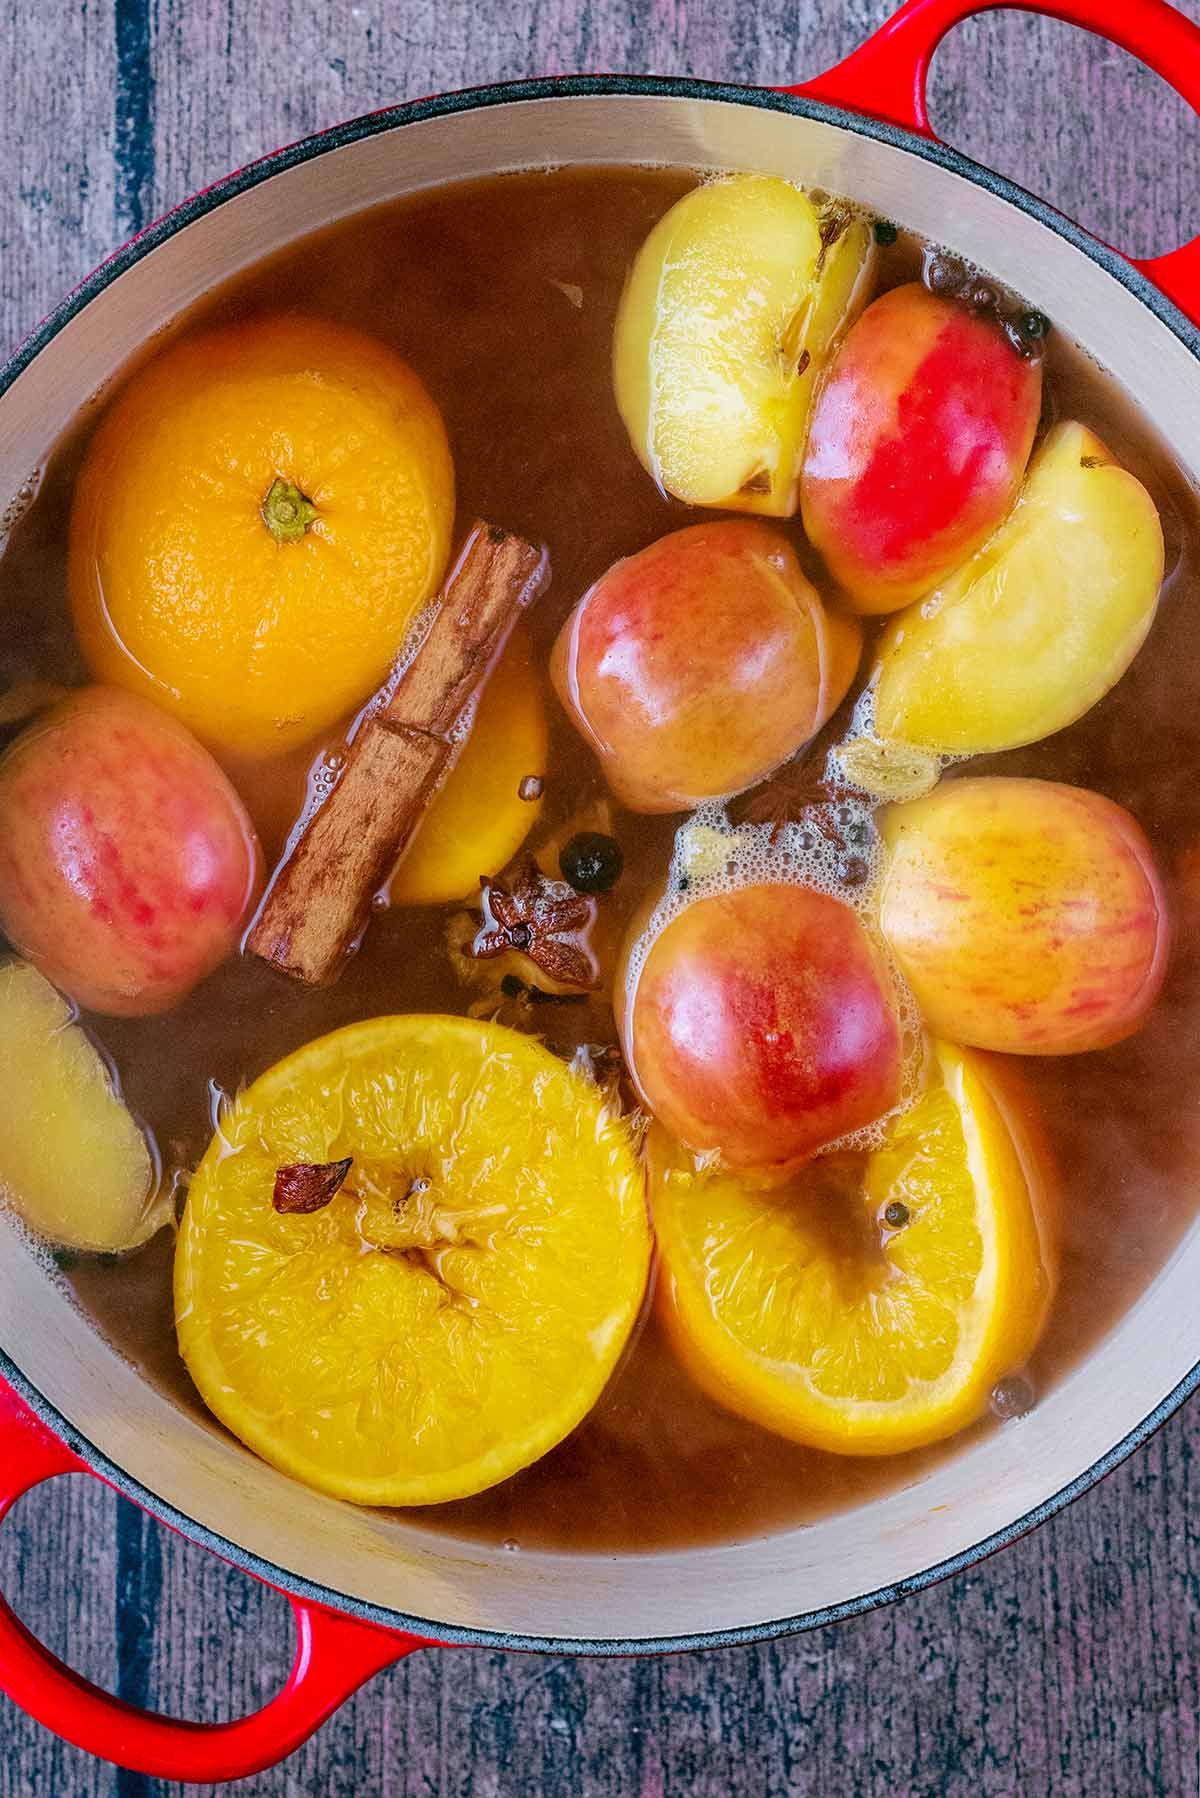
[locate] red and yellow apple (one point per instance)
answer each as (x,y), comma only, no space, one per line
(918,441)
(1025,915)
(701,663)
(762,1024)
(127,861)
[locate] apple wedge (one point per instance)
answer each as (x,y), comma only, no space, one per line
(74,1165)
(733,306)
(1041,622)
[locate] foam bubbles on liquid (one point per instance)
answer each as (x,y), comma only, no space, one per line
(41,1252)
(835,850)
(19,504)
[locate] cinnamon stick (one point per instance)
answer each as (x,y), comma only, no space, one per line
(320,899)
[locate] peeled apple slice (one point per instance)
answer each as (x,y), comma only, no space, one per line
(733,304)
(74,1165)
(1037,627)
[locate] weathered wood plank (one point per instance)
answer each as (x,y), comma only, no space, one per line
(45,1543)
(57,131)
(1075,120)
(1067,1665)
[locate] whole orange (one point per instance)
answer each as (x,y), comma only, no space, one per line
(259,516)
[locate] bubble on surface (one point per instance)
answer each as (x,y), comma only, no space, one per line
(884,770)
(1012,1396)
(42,1253)
(19,504)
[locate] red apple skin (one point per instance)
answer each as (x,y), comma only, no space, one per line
(127,861)
(698,665)
(918,442)
(763,1025)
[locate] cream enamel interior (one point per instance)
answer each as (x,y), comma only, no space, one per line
(465,1587)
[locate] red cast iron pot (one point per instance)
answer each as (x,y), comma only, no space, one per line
(367,1589)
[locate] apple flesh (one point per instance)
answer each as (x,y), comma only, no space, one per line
(919,438)
(1037,627)
(1025,915)
(127,861)
(700,664)
(763,1026)
(74,1165)
(727,322)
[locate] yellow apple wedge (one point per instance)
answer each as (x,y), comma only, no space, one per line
(1035,628)
(729,314)
(74,1165)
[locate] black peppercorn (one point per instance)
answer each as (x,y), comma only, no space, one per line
(1033,326)
(591,862)
(896,1215)
(885,233)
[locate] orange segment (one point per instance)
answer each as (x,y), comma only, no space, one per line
(456,1309)
(478,820)
(182,591)
(800,1308)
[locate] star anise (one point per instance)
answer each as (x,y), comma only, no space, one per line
(800,791)
(542,918)
(792,797)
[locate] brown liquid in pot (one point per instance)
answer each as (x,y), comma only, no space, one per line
(502,295)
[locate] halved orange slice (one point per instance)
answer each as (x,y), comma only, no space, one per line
(870,1304)
(456,1308)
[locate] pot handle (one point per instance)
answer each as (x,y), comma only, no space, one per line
(334,1655)
(886,78)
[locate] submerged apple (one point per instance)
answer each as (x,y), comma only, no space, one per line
(127,861)
(762,1025)
(700,664)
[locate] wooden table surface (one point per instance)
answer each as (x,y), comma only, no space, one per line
(1069,1664)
